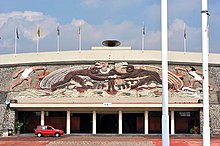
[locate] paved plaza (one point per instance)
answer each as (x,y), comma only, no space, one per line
(100,140)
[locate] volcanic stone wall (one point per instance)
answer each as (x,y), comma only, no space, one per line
(215,101)
(7,115)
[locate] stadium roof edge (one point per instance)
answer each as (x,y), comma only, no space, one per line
(91,56)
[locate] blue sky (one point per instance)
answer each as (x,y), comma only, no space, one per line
(101,20)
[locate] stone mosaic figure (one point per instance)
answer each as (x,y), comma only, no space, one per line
(25,75)
(112,78)
(145,76)
(110,73)
(99,72)
(76,76)
(196,76)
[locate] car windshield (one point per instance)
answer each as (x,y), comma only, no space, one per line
(38,127)
(44,127)
(49,128)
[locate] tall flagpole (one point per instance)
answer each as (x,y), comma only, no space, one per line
(164,52)
(184,38)
(143,34)
(15,41)
(38,37)
(205,51)
(58,39)
(80,38)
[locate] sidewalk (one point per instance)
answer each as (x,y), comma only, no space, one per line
(103,141)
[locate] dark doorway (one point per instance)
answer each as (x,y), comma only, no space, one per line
(155,122)
(57,119)
(133,123)
(107,123)
(185,121)
(155,125)
(81,123)
(30,119)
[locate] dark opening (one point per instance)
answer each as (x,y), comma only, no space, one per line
(155,122)
(186,120)
(57,119)
(133,123)
(30,119)
(107,123)
(81,123)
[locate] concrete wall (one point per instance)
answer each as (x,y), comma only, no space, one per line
(7,115)
(10,64)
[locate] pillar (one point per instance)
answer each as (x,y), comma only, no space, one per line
(120,122)
(146,122)
(68,122)
(172,123)
(94,122)
(42,118)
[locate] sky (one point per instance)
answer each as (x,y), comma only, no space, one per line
(103,20)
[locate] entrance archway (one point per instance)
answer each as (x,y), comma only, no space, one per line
(107,123)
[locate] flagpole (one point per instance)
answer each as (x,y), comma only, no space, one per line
(58,39)
(205,51)
(143,34)
(15,41)
(164,52)
(37,44)
(80,38)
(184,39)
(37,38)
(58,44)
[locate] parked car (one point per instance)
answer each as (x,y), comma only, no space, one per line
(47,130)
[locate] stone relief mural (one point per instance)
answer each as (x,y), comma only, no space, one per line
(107,79)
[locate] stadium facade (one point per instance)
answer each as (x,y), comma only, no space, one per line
(105,90)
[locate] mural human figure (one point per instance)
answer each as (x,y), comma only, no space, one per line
(103,67)
(75,75)
(195,74)
(99,72)
(111,73)
(25,75)
(144,75)
(92,72)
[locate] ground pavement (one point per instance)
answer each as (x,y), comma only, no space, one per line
(65,140)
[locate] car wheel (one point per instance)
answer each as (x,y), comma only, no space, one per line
(39,134)
(57,134)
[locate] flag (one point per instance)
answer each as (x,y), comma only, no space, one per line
(58,30)
(38,31)
(17,35)
(184,35)
(143,29)
(79,30)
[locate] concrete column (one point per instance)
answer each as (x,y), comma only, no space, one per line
(172,123)
(146,122)
(94,122)
(42,118)
(120,122)
(68,122)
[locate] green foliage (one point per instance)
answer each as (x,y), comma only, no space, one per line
(18,125)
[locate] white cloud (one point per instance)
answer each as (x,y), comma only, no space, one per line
(26,22)
(176,36)
(28,16)
(153,40)
(78,22)
(127,32)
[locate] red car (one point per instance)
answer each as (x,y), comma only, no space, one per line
(43,130)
